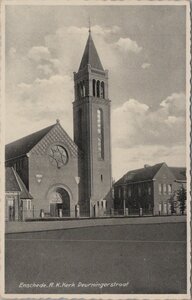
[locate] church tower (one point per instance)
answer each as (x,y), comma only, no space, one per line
(91,117)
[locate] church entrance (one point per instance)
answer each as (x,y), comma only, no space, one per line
(59,203)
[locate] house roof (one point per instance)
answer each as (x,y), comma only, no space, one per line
(13,183)
(24,145)
(146,173)
(90,56)
(179,173)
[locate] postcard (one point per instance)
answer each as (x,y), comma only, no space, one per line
(95,156)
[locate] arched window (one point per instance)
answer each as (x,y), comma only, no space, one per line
(102,90)
(94,87)
(78,90)
(98,88)
(100,142)
(83,88)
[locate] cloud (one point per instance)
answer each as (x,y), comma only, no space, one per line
(12,52)
(39,104)
(39,53)
(128,45)
(145,65)
(125,159)
(138,125)
(175,104)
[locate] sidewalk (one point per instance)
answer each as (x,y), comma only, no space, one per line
(15,227)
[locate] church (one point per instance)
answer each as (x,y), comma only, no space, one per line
(50,175)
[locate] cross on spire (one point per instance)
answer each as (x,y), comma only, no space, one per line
(89,25)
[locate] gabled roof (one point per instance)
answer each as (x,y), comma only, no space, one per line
(90,56)
(24,145)
(146,173)
(179,173)
(13,183)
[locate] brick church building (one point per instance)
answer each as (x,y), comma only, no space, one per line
(48,173)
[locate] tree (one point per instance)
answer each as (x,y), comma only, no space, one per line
(173,202)
(181,198)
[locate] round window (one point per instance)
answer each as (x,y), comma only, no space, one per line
(58,156)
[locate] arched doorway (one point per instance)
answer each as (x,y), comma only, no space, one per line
(59,203)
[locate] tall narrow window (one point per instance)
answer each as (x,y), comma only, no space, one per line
(78,90)
(160,188)
(83,88)
(80,127)
(169,188)
(94,87)
(102,90)
(139,190)
(100,142)
(98,88)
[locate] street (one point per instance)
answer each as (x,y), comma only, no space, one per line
(122,259)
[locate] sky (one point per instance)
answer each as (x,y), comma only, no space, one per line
(143,47)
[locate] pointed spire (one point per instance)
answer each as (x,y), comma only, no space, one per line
(90,55)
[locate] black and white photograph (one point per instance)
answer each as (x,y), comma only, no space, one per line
(95,156)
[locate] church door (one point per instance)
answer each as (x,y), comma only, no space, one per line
(60,203)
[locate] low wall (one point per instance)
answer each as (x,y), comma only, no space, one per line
(14,227)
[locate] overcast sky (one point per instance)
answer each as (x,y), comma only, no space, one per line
(143,47)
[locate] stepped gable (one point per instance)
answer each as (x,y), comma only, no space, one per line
(55,134)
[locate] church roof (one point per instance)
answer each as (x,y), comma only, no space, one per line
(24,145)
(13,183)
(146,173)
(90,56)
(36,142)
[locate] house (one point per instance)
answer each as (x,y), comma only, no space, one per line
(18,199)
(148,188)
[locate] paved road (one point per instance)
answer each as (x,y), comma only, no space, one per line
(127,258)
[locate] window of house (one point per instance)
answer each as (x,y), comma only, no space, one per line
(28,204)
(129,191)
(169,187)
(149,190)
(119,192)
(139,190)
(98,203)
(101,177)
(164,188)
(160,188)
(101,203)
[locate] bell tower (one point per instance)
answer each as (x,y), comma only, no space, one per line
(92,118)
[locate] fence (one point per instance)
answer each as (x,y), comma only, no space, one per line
(41,215)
